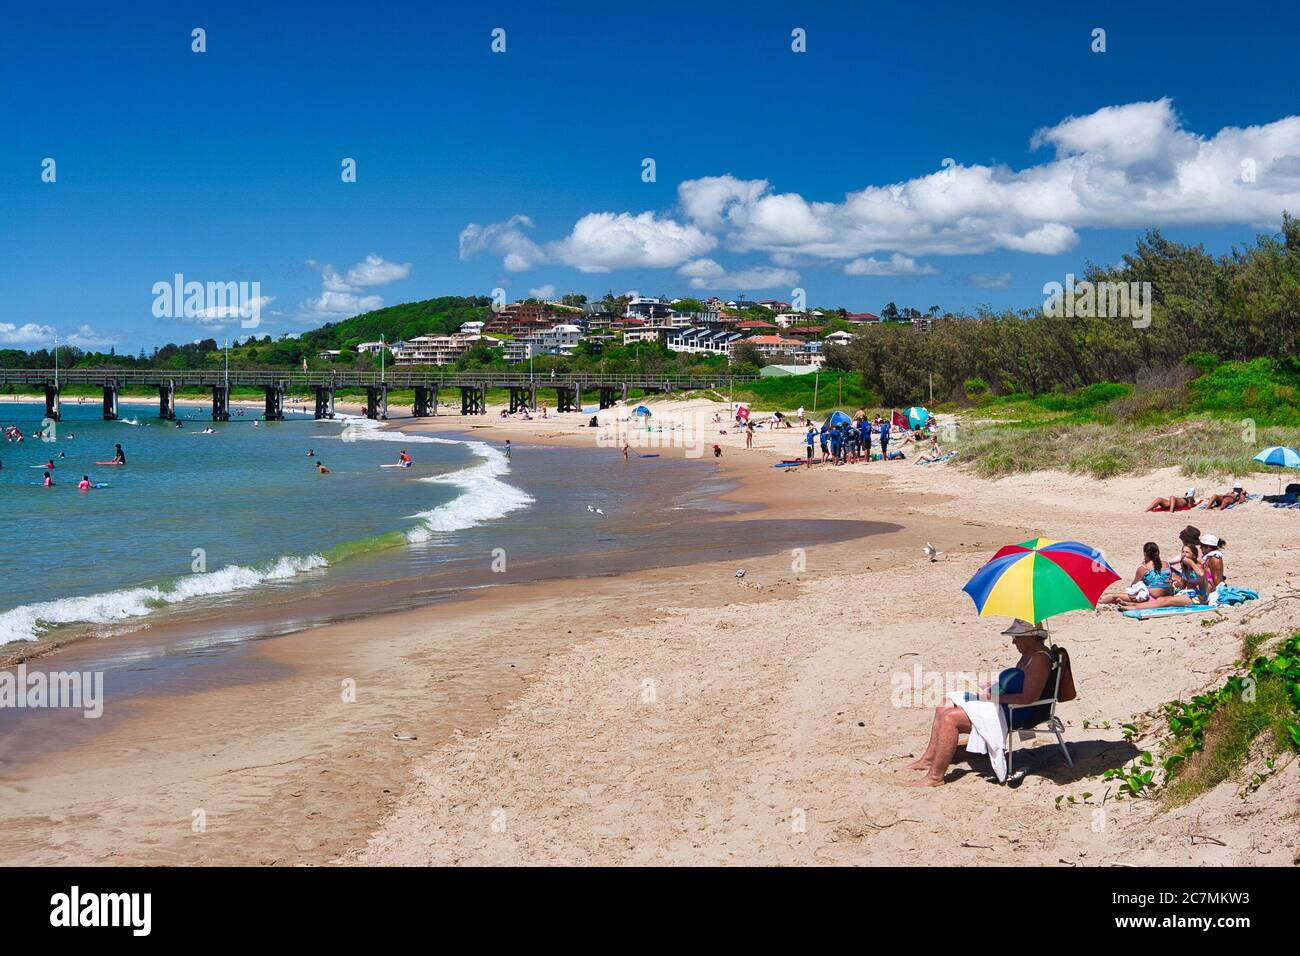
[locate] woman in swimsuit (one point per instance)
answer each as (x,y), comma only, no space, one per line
(1212,560)
(1234,497)
(1152,576)
(1022,684)
(1175,502)
(1188,580)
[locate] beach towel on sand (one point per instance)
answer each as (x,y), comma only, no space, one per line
(1224,596)
(988,724)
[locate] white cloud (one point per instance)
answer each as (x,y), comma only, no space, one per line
(505,239)
(990,280)
(342,296)
(220,316)
(28,333)
(705,200)
(374,270)
(896,265)
(601,241)
(1129,166)
(42,336)
(542,292)
(84,337)
(707,274)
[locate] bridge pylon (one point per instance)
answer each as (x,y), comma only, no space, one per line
(221,403)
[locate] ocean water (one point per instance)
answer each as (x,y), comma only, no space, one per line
(193,520)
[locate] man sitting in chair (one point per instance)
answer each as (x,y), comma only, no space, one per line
(1022,684)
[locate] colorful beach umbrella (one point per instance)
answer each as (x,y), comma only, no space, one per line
(1036,579)
(917,416)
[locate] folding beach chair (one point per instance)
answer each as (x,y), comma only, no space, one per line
(1022,720)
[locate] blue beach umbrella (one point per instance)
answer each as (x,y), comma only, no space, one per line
(839,418)
(917,416)
(641,410)
(1280,457)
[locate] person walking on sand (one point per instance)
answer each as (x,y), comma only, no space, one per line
(810,439)
(508,449)
(625,449)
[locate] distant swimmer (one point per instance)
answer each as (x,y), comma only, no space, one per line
(508,449)
(179,423)
(311,453)
(119,456)
(62,455)
(321,469)
(48,482)
(48,464)
(208,431)
(84,483)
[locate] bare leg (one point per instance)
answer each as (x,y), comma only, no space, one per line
(953,725)
(922,762)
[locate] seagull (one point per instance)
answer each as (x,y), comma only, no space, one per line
(740,573)
(930,552)
(599,512)
(590,508)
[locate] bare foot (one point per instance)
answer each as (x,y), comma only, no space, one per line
(920,763)
(927,781)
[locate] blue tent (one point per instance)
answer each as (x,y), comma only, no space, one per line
(839,418)
(641,410)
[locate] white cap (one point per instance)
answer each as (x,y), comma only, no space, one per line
(1191,493)
(1236,486)
(1210,540)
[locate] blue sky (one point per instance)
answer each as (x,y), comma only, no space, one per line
(523,170)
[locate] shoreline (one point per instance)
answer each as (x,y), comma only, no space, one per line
(770,693)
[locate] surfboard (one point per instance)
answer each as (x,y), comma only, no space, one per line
(110,463)
(394,466)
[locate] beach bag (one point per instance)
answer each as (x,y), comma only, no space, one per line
(1065,686)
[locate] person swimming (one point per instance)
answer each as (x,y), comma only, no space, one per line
(321,469)
(84,483)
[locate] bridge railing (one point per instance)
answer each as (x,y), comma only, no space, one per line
(394,378)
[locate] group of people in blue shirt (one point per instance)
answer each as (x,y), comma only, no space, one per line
(850,441)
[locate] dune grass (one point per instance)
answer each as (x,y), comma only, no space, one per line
(1217,732)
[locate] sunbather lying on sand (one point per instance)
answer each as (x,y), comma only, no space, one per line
(1175,502)
(1022,684)
(1234,497)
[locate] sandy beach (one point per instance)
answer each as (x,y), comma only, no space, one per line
(683,714)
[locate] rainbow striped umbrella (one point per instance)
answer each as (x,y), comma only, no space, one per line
(1036,579)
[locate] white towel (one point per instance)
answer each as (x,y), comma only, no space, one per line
(988,732)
